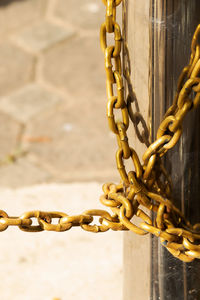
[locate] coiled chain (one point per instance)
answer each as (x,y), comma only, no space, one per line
(148,187)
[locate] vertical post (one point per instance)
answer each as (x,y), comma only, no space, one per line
(158,34)
(174,23)
(137,61)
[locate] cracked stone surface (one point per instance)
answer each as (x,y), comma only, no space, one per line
(24,104)
(87,14)
(42,35)
(16,68)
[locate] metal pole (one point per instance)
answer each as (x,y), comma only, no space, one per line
(173,25)
(169,26)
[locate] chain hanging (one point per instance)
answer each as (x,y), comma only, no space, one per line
(142,188)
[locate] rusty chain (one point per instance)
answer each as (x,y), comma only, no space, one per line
(146,188)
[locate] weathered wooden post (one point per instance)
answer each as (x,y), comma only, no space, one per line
(158,35)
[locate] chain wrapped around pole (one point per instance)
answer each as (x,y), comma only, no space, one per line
(143,188)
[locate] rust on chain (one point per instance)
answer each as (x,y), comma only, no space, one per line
(148,187)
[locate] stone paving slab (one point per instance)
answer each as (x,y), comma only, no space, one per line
(76,66)
(41,36)
(22,173)
(15,14)
(9,135)
(85,14)
(57,92)
(47,265)
(78,145)
(27,102)
(16,67)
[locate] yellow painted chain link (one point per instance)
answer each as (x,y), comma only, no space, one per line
(143,187)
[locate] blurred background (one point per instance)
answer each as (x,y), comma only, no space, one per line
(56,150)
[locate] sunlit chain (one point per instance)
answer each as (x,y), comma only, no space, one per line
(144,188)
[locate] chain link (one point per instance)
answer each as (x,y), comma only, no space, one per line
(148,187)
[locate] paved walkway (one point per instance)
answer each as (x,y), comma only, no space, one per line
(67,266)
(54,135)
(52,93)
